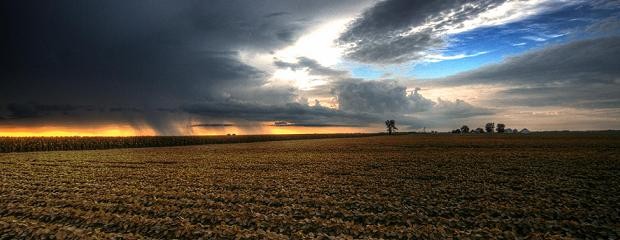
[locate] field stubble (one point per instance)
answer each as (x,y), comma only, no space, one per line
(408,186)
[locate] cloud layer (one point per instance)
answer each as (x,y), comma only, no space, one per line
(398,31)
(581,74)
(130,60)
(389,99)
(169,65)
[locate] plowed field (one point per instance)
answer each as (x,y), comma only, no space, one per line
(406,186)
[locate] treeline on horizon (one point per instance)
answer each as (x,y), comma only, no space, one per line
(31,144)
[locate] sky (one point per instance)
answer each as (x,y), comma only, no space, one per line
(123,68)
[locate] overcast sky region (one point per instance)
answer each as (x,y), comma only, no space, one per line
(291,66)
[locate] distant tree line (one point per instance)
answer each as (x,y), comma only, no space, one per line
(390,126)
(489,128)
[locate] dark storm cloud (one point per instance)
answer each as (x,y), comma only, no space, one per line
(290,112)
(102,52)
(578,74)
(134,58)
(32,110)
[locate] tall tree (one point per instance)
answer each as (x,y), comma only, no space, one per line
(391,126)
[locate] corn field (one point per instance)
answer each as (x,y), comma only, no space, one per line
(30,144)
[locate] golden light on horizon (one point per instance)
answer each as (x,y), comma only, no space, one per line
(82,131)
(124,130)
(268,128)
(214,131)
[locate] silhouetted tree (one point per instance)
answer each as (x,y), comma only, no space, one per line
(391,126)
(465,129)
(456,131)
(501,127)
(489,127)
(479,130)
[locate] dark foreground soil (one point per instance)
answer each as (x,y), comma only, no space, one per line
(409,186)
